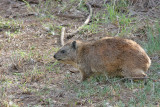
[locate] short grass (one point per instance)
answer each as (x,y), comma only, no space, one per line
(153,34)
(120,94)
(11,27)
(116,14)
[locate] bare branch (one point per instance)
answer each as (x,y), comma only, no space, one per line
(62,36)
(70,35)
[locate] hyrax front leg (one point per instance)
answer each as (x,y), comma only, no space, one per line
(86,73)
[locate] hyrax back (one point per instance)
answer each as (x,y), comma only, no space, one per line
(115,56)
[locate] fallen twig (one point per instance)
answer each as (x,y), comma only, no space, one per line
(62,36)
(70,35)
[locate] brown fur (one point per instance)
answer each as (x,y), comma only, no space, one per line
(115,56)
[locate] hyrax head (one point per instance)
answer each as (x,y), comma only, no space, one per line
(68,52)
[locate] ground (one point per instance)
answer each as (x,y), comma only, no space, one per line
(30,36)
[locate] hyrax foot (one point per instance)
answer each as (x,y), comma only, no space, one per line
(85,75)
(137,73)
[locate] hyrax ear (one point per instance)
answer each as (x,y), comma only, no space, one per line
(74,45)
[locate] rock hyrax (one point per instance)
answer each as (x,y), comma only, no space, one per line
(115,56)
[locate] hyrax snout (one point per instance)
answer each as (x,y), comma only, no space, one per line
(114,56)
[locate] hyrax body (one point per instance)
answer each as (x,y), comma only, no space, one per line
(115,56)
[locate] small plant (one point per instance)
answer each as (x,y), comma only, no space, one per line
(120,104)
(82,6)
(121,6)
(11,27)
(28,5)
(34,76)
(44,8)
(52,29)
(51,67)
(92,28)
(112,14)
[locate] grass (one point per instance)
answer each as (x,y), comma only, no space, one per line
(9,24)
(91,29)
(139,94)
(153,34)
(121,20)
(117,14)
(11,27)
(52,29)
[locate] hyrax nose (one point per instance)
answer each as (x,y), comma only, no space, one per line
(54,56)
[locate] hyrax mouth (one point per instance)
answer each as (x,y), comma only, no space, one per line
(59,59)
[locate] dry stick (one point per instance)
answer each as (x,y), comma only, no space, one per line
(70,35)
(62,36)
(118,26)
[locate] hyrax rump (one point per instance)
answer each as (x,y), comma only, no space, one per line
(115,56)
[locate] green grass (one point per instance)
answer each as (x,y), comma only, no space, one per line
(139,94)
(153,43)
(121,6)
(52,29)
(10,27)
(92,28)
(82,6)
(117,14)
(43,9)
(121,20)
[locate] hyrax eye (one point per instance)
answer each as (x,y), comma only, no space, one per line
(63,51)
